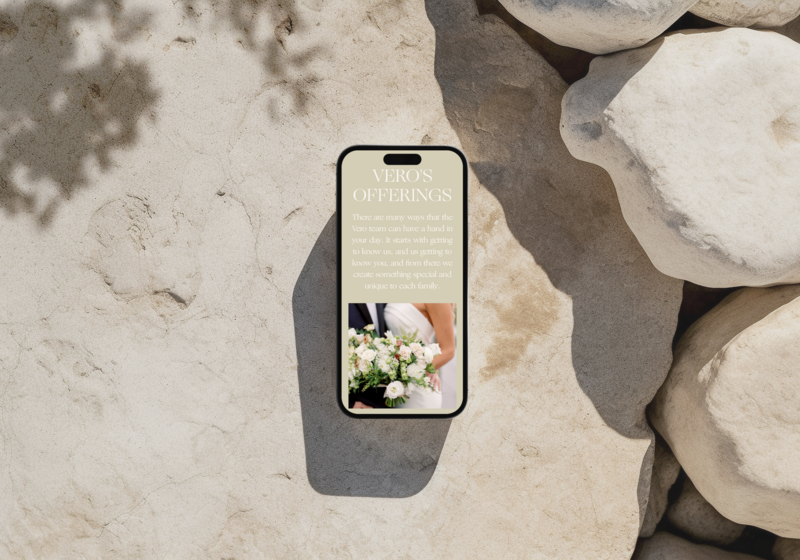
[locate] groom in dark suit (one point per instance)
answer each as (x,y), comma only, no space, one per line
(359,316)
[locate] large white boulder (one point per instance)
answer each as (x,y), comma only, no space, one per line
(600,26)
(664,546)
(693,515)
(748,13)
(700,132)
(730,408)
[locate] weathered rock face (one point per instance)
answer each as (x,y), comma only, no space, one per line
(664,546)
(730,408)
(665,472)
(748,13)
(786,549)
(693,515)
(599,27)
(137,425)
(700,132)
(791,30)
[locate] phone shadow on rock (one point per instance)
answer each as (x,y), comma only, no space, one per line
(348,456)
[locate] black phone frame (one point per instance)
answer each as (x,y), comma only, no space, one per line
(462,337)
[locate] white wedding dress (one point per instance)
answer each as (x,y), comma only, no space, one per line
(405,318)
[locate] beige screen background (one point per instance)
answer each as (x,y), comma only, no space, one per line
(359,172)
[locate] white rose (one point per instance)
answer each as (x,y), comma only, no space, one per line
(369,327)
(359,338)
(428,355)
(394,390)
(405,352)
(415,347)
(360,349)
(364,365)
(351,333)
(435,349)
(368,355)
(384,367)
(415,371)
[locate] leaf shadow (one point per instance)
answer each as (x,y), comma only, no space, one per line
(269,29)
(58,119)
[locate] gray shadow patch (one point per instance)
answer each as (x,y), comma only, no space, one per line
(56,120)
(350,456)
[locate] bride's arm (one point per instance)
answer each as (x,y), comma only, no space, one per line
(441,315)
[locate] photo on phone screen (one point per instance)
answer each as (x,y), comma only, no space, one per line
(402,281)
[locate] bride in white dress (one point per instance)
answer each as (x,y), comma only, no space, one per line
(434,322)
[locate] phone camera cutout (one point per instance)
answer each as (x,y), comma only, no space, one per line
(402,159)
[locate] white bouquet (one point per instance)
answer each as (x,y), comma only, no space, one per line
(403,364)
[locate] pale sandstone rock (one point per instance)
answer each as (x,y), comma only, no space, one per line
(748,13)
(786,549)
(729,408)
(664,546)
(700,132)
(693,515)
(600,26)
(137,426)
(665,472)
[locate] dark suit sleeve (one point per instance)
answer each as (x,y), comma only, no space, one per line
(370,397)
(381,319)
(354,318)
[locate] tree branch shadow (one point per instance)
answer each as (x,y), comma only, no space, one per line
(58,119)
(265,28)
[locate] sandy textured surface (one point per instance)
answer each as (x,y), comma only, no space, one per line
(168,279)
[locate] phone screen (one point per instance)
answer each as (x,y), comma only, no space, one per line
(402,254)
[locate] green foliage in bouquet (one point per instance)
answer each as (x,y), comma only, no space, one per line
(401,363)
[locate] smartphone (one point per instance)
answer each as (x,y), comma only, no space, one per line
(402,281)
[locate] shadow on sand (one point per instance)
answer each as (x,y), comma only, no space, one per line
(347,456)
(56,118)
